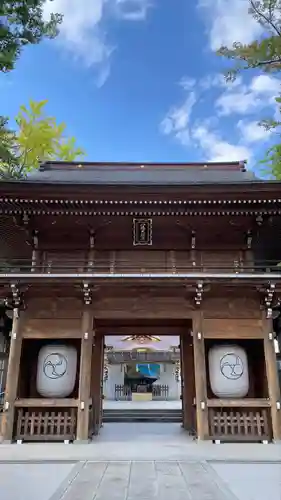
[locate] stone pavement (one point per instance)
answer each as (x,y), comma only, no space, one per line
(115,481)
(136,480)
(140,462)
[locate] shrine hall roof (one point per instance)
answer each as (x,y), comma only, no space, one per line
(142,174)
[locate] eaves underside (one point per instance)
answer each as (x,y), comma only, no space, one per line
(33,190)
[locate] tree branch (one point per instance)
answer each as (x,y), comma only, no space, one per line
(266,19)
(260,63)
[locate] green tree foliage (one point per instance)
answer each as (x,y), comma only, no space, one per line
(22,23)
(39,138)
(263,55)
(6,139)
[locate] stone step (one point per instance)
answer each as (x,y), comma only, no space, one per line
(144,415)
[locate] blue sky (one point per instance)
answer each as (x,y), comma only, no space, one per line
(139,80)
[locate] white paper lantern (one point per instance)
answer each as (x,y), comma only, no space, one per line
(56,370)
(229,372)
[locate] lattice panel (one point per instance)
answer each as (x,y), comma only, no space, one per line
(46,424)
(13,240)
(238,424)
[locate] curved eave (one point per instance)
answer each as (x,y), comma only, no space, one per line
(36,192)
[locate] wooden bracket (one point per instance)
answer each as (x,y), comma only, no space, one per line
(35,239)
(193,240)
(87,293)
(92,239)
(25,219)
(199,293)
(269,299)
(16,296)
(249,239)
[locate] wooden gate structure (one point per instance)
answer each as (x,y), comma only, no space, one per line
(191,249)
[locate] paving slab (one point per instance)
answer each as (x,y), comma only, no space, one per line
(118,450)
(141,441)
(146,481)
(32,481)
(255,481)
(140,480)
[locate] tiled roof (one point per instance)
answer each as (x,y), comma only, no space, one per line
(137,174)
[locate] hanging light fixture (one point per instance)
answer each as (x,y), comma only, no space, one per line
(141,339)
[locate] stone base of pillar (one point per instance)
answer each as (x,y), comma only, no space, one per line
(82,441)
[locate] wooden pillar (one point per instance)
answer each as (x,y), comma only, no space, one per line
(7,425)
(97,381)
(272,377)
(200,376)
(83,417)
(187,374)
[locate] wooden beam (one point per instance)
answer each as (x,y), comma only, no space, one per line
(52,328)
(13,371)
(200,376)
(85,375)
(258,334)
(127,330)
(46,403)
(52,334)
(238,403)
(230,328)
(272,378)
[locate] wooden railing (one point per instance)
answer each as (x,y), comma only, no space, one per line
(42,424)
(45,419)
(160,391)
(124,393)
(241,420)
(222,263)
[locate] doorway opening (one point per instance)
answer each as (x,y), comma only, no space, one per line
(142,374)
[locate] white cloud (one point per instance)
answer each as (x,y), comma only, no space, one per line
(177,119)
(244,99)
(187,83)
(82,32)
(216,149)
(266,84)
(132,10)
(252,132)
(241,102)
(228,21)
(233,99)
(178,124)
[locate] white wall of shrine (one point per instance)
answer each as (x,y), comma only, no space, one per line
(167,377)
(116,372)
(115,377)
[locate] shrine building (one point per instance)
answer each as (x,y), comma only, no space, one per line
(140,253)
